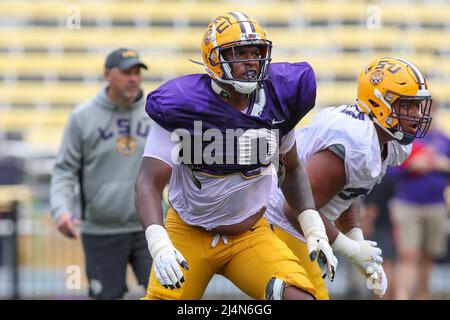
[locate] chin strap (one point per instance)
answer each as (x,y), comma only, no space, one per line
(239,86)
(260,101)
(219,90)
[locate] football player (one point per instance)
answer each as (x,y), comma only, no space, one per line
(215,224)
(346,151)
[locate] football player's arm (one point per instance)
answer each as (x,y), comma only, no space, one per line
(326,171)
(297,191)
(154,174)
(296,187)
(349,222)
(326,174)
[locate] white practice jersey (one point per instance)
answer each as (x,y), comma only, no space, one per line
(221,200)
(354,131)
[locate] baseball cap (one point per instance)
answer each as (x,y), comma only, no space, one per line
(123,59)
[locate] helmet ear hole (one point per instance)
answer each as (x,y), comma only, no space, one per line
(373,103)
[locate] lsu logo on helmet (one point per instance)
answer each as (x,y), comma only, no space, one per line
(377,77)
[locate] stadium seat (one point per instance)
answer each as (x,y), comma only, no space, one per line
(83,66)
(186,11)
(66,64)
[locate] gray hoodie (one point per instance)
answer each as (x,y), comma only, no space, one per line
(97,155)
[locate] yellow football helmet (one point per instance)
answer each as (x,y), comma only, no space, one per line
(229,31)
(390,81)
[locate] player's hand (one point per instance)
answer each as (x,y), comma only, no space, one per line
(367,258)
(373,271)
(376,279)
(318,246)
(166,258)
(366,255)
(67,224)
(167,269)
(317,241)
(361,253)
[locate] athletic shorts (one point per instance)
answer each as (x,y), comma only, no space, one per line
(249,260)
(312,268)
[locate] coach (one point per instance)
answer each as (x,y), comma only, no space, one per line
(100,154)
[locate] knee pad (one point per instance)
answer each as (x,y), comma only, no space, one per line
(275,289)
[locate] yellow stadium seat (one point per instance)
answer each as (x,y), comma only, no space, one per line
(207,10)
(71,94)
(169,39)
(165,67)
(142,38)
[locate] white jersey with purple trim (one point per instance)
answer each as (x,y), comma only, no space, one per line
(355,132)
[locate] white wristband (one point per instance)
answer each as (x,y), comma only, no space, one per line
(157,239)
(355,234)
(310,221)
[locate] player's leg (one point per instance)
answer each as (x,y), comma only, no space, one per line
(140,258)
(300,249)
(106,258)
(190,241)
(264,267)
(406,218)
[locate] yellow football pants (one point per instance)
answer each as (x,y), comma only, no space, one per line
(300,249)
(249,260)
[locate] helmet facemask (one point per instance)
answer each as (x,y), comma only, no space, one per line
(242,84)
(411,112)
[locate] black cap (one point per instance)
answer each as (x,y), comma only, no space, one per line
(123,59)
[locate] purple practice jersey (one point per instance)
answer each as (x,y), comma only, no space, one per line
(290,93)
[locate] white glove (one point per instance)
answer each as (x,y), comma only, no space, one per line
(166,258)
(377,280)
(355,234)
(367,259)
(361,253)
(317,240)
